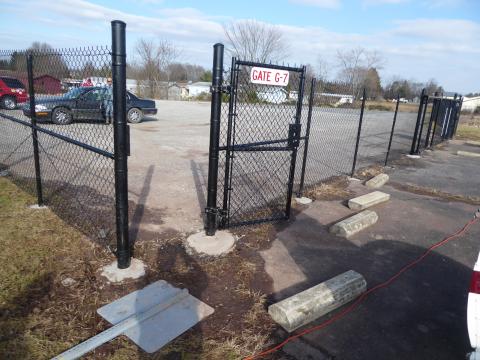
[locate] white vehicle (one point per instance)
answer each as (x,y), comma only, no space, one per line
(473,312)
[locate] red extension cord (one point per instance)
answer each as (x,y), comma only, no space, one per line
(368,292)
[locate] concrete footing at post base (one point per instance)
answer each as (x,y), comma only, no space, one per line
(219,244)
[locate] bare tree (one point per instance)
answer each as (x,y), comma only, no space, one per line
(155,59)
(355,65)
(252,40)
(323,68)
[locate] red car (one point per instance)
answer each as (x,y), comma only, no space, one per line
(12,92)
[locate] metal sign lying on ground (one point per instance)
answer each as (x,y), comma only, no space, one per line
(269,76)
(150,317)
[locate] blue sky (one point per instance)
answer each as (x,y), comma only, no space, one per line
(419,39)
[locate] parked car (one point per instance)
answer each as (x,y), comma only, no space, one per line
(12,92)
(86,103)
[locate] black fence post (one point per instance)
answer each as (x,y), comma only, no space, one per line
(307,137)
(417,124)
(120,140)
(215,114)
(425,106)
(359,132)
(438,113)
(33,117)
(393,129)
(297,126)
(453,117)
(432,117)
(460,103)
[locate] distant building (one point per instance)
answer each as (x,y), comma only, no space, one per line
(47,84)
(197,88)
(470,104)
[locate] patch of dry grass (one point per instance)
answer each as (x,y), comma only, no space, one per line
(38,318)
(333,189)
(422,190)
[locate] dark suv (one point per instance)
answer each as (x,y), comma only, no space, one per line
(12,92)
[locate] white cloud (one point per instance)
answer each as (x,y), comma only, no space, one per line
(381,2)
(446,49)
(327,4)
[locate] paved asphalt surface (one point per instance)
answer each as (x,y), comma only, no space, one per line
(422,315)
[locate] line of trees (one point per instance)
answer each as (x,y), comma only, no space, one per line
(158,62)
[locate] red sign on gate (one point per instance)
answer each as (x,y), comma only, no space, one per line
(268,76)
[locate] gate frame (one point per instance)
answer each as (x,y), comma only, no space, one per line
(219,217)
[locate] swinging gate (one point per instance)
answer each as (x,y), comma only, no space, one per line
(258,137)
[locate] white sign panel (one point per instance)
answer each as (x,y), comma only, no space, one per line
(268,76)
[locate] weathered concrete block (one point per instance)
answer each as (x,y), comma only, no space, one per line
(377,181)
(468,153)
(309,305)
(354,224)
(473,143)
(365,201)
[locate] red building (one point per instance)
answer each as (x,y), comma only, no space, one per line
(47,84)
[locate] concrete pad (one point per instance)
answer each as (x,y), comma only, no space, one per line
(365,201)
(468,153)
(302,308)
(37,207)
(220,244)
(377,181)
(114,274)
(354,224)
(413,156)
(303,200)
(4,173)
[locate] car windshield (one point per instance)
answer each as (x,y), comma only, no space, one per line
(74,93)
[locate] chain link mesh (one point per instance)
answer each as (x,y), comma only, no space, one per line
(255,165)
(75,142)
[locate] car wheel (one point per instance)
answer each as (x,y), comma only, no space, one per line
(62,116)
(135,115)
(9,103)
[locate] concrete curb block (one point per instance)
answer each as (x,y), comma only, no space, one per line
(468,153)
(365,201)
(377,181)
(309,305)
(413,156)
(354,224)
(473,143)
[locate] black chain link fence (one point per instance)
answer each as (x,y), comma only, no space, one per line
(263,154)
(75,141)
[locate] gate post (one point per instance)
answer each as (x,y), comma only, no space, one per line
(457,120)
(33,117)
(393,129)
(359,132)
(297,127)
(432,116)
(417,124)
(437,114)
(307,137)
(215,113)
(120,141)
(425,106)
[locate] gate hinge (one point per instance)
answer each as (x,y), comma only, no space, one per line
(222,89)
(294,135)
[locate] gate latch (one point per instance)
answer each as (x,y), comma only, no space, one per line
(294,135)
